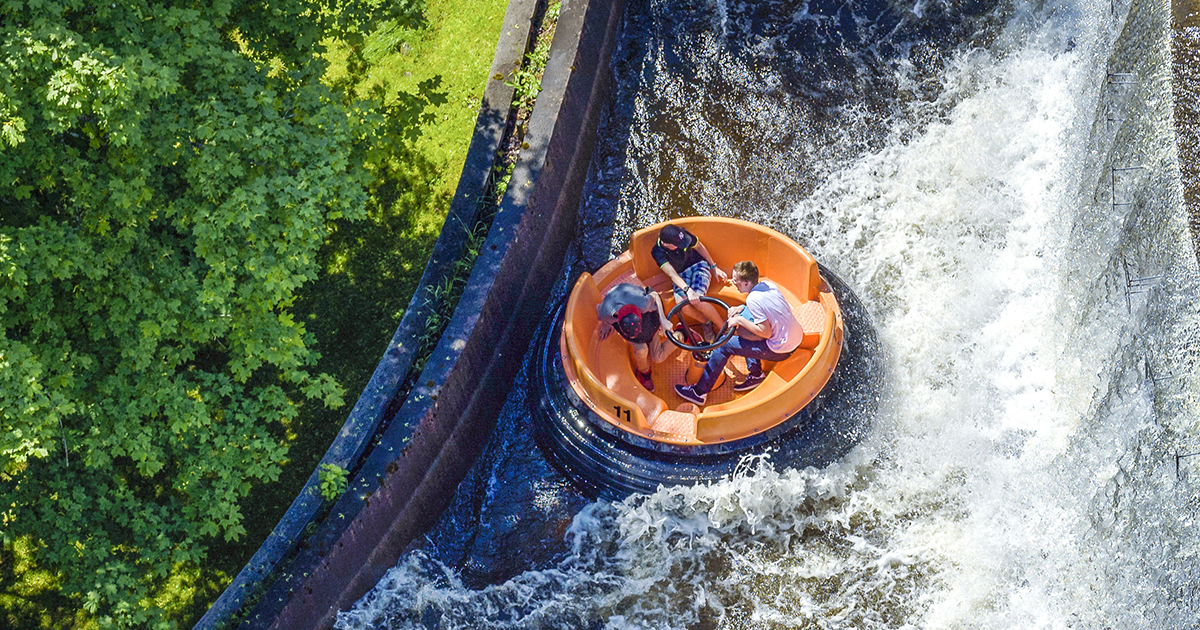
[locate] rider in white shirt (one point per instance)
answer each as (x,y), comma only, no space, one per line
(766,330)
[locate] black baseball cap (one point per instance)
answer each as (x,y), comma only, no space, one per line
(674,235)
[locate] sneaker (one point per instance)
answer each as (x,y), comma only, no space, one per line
(709,332)
(645,380)
(750,383)
(689,393)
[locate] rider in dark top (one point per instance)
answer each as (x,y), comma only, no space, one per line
(684,255)
(688,264)
(637,315)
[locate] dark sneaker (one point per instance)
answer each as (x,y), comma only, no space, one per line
(645,380)
(689,393)
(750,383)
(709,332)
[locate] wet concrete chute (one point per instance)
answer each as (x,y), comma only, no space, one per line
(1000,184)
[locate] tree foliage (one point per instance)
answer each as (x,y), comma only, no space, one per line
(168,173)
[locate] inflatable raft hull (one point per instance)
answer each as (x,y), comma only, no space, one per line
(604,463)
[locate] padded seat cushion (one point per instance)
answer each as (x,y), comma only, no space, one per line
(812,316)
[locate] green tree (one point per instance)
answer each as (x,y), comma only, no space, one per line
(168,173)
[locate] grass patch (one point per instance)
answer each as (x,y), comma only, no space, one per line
(370,269)
(457,48)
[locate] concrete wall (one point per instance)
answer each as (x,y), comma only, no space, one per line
(435,434)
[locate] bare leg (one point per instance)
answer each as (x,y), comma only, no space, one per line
(705,311)
(641,357)
(713,316)
(661,348)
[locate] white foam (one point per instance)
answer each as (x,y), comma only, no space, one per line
(1020,474)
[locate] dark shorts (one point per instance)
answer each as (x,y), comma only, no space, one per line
(697,277)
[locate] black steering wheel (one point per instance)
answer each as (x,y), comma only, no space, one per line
(724,335)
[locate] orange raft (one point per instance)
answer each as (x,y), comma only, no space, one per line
(613,436)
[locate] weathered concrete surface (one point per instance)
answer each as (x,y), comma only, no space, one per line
(435,436)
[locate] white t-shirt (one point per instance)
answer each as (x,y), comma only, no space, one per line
(766,303)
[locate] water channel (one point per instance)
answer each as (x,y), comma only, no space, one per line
(998,182)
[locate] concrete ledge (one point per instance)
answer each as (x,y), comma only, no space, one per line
(380,399)
(434,437)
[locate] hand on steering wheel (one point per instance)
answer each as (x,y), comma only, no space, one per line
(724,335)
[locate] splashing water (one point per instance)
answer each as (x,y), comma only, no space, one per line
(1035,292)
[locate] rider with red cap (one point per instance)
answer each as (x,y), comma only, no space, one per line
(637,315)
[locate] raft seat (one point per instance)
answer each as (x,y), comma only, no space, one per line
(677,424)
(611,363)
(614,369)
(811,315)
(814,316)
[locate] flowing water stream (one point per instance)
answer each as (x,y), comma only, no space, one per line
(999,184)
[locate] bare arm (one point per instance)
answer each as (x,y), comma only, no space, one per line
(703,251)
(662,315)
(762,330)
(674,276)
